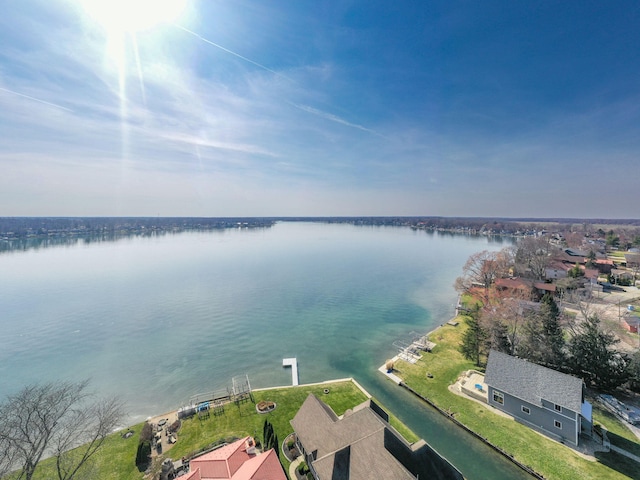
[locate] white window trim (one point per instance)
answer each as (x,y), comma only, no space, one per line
(499,395)
(557,424)
(525,409)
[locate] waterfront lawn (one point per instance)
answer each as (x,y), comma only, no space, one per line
(618,434)
(116,461)
(551,459)
(243,419)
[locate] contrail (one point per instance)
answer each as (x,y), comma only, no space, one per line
(333,118)
(228,51)
(36,99)
(311,110)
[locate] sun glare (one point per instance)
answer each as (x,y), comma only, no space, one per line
(133,15)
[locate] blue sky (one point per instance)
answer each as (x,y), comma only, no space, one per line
(287,108)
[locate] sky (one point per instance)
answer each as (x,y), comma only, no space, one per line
(320,108)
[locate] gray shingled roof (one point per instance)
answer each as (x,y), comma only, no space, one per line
(531,382)
(356,441)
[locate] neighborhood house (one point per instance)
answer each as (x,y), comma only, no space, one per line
(236,461)
(543,399)
(362,445)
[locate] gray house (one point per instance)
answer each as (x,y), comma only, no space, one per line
(543,399)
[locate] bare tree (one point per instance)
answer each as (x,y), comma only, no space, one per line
(58,419)
(508,308)
(81,437)
(633,264)
(533,255)
(481,269)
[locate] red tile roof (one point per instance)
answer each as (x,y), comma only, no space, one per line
(234,462)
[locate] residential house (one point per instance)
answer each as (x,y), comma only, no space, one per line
(556,269)
(543,399)
(362,445)
(631,323)
(525,287)
(236,461)
(604,265)
(622,276)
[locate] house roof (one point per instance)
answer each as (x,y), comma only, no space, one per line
(261,467)
(532,383)
(233,462)
(632,321)
(604,261)
(575,253)
(353,444)
(547,287)
(591,273)
(558,264)
(514,283)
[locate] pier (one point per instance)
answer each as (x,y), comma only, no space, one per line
(293,363)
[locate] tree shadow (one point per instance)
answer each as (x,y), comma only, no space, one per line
(625,444)
(620,463)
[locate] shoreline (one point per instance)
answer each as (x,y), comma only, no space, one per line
(394,378)
(174,412)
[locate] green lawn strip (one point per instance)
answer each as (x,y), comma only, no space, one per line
(551,459)
(116,460)
(618,434)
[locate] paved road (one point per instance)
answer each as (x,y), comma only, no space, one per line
(631,293)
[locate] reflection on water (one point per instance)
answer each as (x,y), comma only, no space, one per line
(158,318)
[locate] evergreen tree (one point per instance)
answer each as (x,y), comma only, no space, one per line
(268,435)
(275,445)
(593,358)
(543,338)
(474,338)
(634,372)
(498,337)
(530,338)
(576,271)
(553,344)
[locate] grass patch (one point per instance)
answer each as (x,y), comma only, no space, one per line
(116,460)
(618,434)
(551,459)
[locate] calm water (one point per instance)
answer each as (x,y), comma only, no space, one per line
(156,320)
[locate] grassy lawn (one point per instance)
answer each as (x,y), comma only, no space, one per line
(551,459)
(618,434)
(116,461)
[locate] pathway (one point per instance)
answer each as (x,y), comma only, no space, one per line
(294,466)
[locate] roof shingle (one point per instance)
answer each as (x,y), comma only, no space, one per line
(532,383)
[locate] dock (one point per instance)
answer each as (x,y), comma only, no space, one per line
(293,363)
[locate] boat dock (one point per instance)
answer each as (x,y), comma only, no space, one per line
(293,363)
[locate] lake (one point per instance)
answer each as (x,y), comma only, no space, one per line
(158,319)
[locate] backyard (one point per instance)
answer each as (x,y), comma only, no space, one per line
(116,460)
(432,376)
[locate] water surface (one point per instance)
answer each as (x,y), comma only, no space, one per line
(158,319)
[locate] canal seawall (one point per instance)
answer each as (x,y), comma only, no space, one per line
(451,417)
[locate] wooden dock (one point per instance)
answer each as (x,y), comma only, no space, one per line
(293,363)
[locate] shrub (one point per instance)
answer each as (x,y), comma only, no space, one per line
(175,426)
(143,455)
(303,468)
(146,434)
